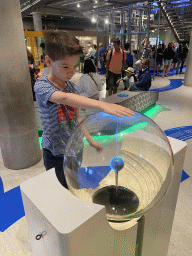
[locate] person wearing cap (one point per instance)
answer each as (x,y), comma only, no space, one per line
(129,79)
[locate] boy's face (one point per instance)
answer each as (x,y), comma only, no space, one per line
(63,69)
(127,73)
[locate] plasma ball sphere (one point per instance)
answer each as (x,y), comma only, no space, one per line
(130,175)
(117,163)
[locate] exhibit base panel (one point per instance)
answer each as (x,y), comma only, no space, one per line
(159,220)
(81,229)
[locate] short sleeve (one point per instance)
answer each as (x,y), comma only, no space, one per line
(43,91)
(131,80)
(125,78)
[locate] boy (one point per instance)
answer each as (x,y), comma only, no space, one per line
(58,101)
(129,78)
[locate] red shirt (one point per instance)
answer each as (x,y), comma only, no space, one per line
(115,64)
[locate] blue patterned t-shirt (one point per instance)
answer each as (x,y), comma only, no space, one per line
(57,120)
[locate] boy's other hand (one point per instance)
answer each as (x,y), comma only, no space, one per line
(97,146)
(117,110)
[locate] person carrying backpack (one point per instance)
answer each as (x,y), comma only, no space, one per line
(129,56)
(116,59)
(101,58)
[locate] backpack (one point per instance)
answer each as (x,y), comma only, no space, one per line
(135,78)
(104,57)
(129,59)
(111,52)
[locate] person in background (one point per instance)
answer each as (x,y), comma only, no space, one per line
(90,83)
(95,56)
(159,59)
(101,59)
(168,57)
(144,78)
(110,46)
(129,61)
(82,61)
(129,78)
(31,71)
(183,51)
(129,56)
(175,59)
(46,71)
(37,73)
(90,52)
(135,59)
(59,102)
(116,60)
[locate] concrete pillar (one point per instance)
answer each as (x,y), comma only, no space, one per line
(18,133)
(37,21)
(188,73)
(168,36)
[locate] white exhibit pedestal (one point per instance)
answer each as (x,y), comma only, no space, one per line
(68,226)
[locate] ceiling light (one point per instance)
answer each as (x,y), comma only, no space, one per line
(93,20)
(106,21)
(78,5)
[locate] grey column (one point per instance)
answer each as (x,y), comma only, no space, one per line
(18,133)
(37,21)
(168,36)
(188,73)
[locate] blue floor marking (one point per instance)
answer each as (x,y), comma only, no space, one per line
(184,176)
(181,133)
(174,84)
(122,95)
(11,206)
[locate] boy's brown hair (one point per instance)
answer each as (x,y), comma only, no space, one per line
(60,44)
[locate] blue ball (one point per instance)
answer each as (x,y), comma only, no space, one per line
(117,163)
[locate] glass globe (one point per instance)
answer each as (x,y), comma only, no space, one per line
(124,163)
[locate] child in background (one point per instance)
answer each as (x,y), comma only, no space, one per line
(58,100)
(129,79)
(37,73)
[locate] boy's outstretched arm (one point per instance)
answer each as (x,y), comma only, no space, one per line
(78,101)
(92,143)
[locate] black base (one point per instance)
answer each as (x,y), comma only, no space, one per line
(117,202)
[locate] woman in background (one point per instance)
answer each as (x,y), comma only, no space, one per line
(90,83)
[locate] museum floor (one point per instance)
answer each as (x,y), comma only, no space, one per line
(175,112)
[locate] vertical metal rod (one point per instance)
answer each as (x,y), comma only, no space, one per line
(112,25)
(139,240)
(97,45)
(129,26)
(157,42)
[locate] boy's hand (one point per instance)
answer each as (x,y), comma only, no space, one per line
(97,146)
(117,110)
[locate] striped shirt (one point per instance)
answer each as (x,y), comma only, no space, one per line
(57,120)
